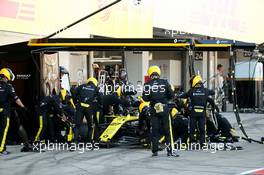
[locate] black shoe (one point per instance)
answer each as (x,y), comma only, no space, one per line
(3,153)
(170,154)
(233,148)
(72,150)
(155,154)
(229,140)
(26,149)
(235,139)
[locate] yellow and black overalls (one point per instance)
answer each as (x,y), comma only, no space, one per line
(68,105)
(7,94)
(47,105)
(198,100)
(158,92)
(87,98)
(69,108)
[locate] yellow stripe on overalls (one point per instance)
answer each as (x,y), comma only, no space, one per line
(40,127)
(198,110)
(171,134)
(85,105)
(93,132)
(72,103)
(4,136)
(161,139)
(98,116)
(205,130)
(70,136)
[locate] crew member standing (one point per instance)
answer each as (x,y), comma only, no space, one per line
(67,103)
(198,95)
(48,106)
(87,97)
(158,92)
(69,108)
(7,95)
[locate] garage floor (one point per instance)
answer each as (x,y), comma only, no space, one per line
(130,161)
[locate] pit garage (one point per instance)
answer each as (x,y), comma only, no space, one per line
(124,46)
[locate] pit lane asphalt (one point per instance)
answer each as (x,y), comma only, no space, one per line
(130,161)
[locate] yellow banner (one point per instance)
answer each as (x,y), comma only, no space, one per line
(40,17)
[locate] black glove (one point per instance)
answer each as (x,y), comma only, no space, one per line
(24,109)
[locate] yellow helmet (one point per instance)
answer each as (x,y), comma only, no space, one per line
(174,111)
(118,91)
(8,74)
(196,79)
(143,105)
(63,94)
(153,69)
(93,80)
